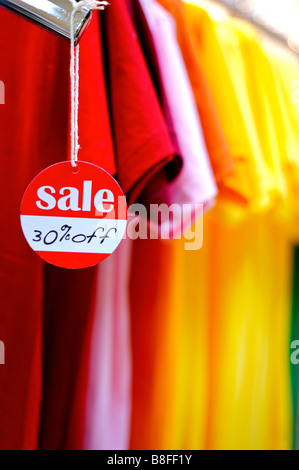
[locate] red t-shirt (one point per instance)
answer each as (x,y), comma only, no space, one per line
(142,142)
(33,134)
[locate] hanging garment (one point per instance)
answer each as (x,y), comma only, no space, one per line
(108,391)
(108,400)
(238,48)
(141,136)
(220,157)
(68,319)
(29,142)
(286,71)
(195,184)
(217,50)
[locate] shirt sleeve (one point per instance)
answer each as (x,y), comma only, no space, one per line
(142,142)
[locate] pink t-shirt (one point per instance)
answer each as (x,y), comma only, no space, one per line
(108,399)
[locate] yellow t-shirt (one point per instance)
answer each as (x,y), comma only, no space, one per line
(251,263)
(227,50)
(286,71)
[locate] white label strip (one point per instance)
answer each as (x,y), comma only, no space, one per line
(72,235)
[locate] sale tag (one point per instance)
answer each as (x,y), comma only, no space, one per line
(74,217)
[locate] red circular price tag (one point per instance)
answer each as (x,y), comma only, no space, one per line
(74,217)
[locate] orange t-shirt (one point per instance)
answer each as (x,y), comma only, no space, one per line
(221,160)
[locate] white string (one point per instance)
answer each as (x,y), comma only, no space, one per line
(74,74)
